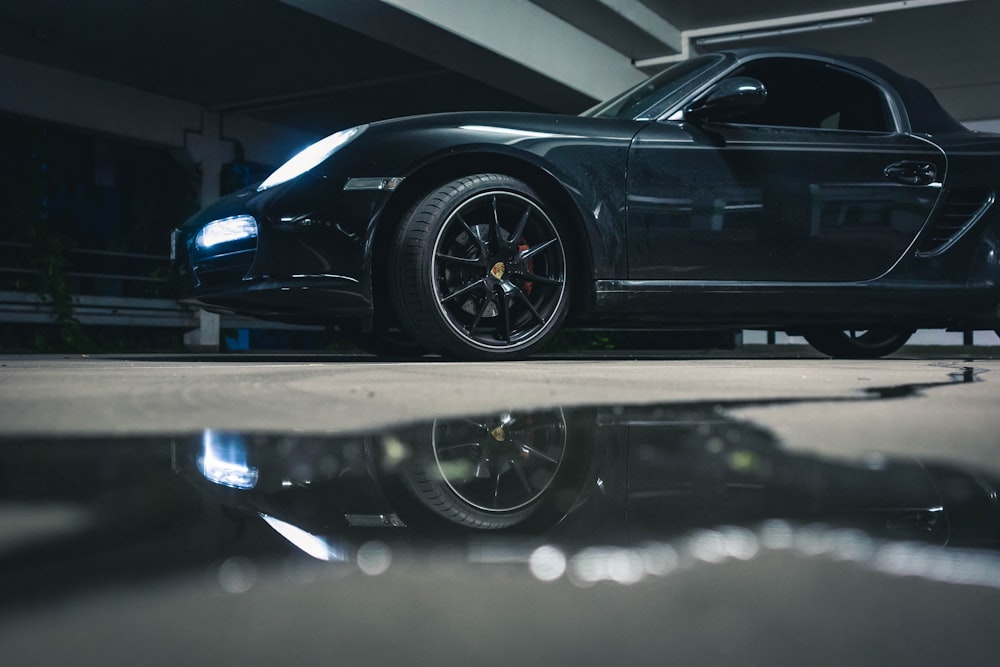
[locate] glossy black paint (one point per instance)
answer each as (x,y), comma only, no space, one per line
(887,219)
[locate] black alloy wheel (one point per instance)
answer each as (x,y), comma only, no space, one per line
(490,472)
(480,270)
(858,343)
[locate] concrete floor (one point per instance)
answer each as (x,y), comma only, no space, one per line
(947,404)
(811,601)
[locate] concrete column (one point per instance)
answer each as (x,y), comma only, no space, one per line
(210,151)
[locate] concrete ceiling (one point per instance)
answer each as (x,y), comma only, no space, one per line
(317,65)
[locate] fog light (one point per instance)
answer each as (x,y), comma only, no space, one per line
(227,230)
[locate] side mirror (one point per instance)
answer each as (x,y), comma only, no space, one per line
(728,99)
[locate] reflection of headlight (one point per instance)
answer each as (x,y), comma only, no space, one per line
(318,547)
(236,228)
(310,157)
(226,461)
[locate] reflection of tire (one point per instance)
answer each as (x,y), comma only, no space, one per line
(489,472)
(479,270)
(858,343)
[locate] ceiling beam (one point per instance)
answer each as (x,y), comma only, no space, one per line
(515,45)
(785,24)
(646,20)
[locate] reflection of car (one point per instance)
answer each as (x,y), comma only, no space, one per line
(784,190)
(582,476)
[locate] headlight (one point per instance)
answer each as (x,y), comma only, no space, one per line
(310,157)
(236,228)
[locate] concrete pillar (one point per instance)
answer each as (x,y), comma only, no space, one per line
(210,151)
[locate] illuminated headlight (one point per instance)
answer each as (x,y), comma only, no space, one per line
(226,230)
(310,157)
(225,460)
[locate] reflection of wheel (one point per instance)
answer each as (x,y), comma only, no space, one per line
(858,343)
(480,270)
(490,472)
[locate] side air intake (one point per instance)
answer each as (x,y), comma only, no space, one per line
(961,209)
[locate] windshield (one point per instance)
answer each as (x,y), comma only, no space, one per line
(633,102)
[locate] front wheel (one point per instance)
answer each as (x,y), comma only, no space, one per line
(858,343)
(490,472)
(479,270)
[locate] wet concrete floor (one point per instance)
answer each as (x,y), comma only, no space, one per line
(757,590)
(841,408)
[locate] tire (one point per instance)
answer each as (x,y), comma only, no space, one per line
(479,270)
(858,343)
(489,472)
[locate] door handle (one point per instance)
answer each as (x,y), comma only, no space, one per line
(912,173)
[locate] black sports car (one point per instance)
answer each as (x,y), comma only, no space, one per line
(785,190)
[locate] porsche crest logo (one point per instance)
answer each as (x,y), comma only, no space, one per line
(498,270)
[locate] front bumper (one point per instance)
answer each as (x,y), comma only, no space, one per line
(309,260)
(298,300)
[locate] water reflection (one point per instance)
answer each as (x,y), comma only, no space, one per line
(584,494)
(515,483)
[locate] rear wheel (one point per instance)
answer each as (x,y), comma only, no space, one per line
(858,343)
(479,270)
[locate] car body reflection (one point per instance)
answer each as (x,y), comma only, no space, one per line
(617,476)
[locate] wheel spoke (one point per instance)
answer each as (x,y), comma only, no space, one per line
(483,307)
(541,422)
(464,445)
(521,224)
(527,302)
(505,306)
(483,252)
(463,261)
(521,476)
(530,277)
(495,227)
(480,282)
(534,250)
(496,487)
(540,454)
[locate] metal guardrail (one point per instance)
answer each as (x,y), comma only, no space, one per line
(104,310)
(99,310)
(27,308)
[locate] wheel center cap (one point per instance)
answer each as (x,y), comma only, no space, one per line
(498,270)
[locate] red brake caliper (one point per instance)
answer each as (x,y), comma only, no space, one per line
(523,245)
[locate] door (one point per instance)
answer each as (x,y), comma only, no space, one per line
(815,186)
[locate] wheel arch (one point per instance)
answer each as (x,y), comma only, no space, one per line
(418,184)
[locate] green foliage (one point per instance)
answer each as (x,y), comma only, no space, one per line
(53,204)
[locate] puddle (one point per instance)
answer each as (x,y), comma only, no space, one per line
(590,493)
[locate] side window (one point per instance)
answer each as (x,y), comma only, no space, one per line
(806,93)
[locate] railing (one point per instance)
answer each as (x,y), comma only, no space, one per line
(126,294)
(102,272)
